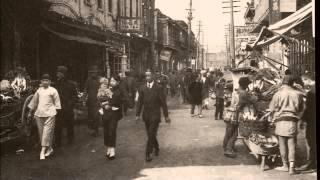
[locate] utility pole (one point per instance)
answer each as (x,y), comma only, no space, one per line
(207,52)
(152,33)
(198,45)
(190,17)
(227,50)
(228,40)
(202,50)
(232,42)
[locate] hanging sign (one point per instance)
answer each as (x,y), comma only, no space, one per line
(165,55)
(129,24)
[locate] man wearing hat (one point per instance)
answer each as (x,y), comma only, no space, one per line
(151,99)
(162,81)
(205,89)
(91,88)
(68,96)
(187,80)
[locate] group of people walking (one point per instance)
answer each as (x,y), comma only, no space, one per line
(52,108)
(109,98)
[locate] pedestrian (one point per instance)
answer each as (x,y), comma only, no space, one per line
(309,117)
(231,121)
(187,80)
(287,107)
(196,96)
(44,106)
(205,89)
(110,100)
(246,103)
(219,91)
(68,97)
(162,81)
(173,83)
(151,100)
(91,89)
(123,85)
(131,88)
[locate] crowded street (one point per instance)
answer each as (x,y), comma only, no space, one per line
(158,90)
(190,149)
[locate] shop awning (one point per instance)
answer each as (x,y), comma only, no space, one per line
(281,27)
(81,39)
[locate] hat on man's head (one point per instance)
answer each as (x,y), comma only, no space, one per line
(148,73)
(45,77)
(19,69)
(288,80)
(244,81)
(93,68)
(62,69)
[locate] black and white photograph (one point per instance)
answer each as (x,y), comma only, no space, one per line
(158,90)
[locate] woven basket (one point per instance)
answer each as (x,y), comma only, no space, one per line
(248,127)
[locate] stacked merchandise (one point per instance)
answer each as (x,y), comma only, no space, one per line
(255,119)
(264,140)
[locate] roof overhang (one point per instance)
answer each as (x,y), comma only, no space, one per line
(276,31)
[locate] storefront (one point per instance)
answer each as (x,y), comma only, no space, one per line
(293,36)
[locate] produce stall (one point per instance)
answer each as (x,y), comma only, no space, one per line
(13,113)
(255,125)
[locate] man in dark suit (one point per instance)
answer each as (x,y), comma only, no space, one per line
(91,89)
(151,99)
(68,96)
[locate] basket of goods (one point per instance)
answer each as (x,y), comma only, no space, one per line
(268,94)
(252,122)
(263,144)
(9,109)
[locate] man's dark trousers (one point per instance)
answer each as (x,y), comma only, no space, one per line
(152,131)
(153,100)
(219,107)
(93,117)
(230,136)
(65,119)
(312,143)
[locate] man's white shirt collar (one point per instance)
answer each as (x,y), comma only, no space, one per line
(150,85)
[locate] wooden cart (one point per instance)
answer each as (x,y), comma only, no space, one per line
(14,122)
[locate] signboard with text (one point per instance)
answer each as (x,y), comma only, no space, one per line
(130,24)
(165,55)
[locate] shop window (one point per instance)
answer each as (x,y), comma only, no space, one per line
(100,4)
(115,64)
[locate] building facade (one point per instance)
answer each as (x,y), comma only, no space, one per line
(296,55)
(171,38)
(217,60)
(77,34)
(115,35)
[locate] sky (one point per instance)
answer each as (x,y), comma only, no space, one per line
(209,12)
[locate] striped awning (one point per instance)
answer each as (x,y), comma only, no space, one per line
(282,27)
